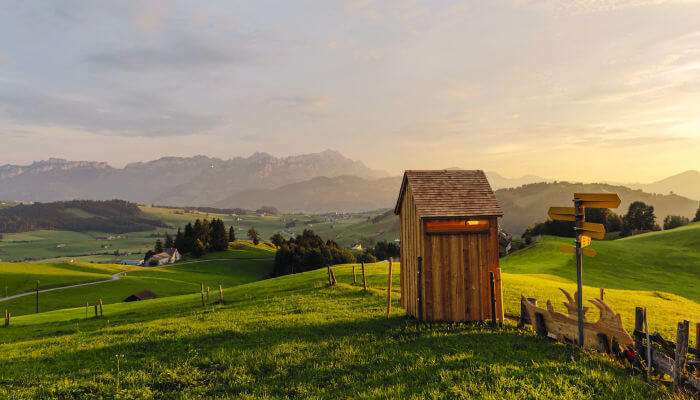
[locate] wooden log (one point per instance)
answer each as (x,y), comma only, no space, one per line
(662,363)
(693,382)
(681,352)
(603,343)
(540,327)
(101,314)
(388,289)
(354,278)
(524,315)
(364,280)
(221,295)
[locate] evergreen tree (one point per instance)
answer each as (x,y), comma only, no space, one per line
(198,249)
(277,239)
(158,247)
(148,255)
(231,234)
(179,242)
(169,243)
(254,235)
(189,238)
(219,237)
(697,215)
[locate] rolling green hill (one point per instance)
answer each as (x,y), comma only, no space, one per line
(242,264)
(667,261)
(293,337)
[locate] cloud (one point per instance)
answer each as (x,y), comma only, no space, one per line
(182,55)
(308,105)
(581,7)
(133,114)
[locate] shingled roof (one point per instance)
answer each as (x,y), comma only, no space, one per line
(450,193)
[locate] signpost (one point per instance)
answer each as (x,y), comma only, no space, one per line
(585,231)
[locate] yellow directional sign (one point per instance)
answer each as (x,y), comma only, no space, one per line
(585,241)
(572,250)
(593,230)
(598,200)
(561,213)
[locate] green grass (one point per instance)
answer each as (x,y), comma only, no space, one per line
(245,264)
(667,261)
(293,337)
(22,277)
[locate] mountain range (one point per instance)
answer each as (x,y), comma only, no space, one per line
(310,183)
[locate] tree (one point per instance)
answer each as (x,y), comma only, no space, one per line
(148,255)
(179,242)
(158,247)
(277,239)
(674,221)
(697,215)
(169,242)
(198,249)
(254,235)
(231,234)
(269,210)
(219,236)
(639,217)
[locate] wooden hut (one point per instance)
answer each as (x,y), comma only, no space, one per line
(449,246)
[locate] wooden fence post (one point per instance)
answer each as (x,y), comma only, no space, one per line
(493,298)
(333,281)
(354,278)
(101,314)
(646,329)
(37,297)
(87,305)
(697,340)
(207,294)
(388,289)
(96,311)
(638,328)
(364,280)
(221,295)
(7,318)
(330,279)
(681,353)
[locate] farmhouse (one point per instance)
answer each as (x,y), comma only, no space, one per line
(168,256)
(449,246)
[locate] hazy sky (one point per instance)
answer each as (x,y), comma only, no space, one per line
(577,89)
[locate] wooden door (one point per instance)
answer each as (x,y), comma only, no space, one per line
(456,277)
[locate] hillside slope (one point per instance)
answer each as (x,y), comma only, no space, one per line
(293,337)
(667,261)
(685,184)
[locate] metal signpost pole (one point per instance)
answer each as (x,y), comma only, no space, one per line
(579,215)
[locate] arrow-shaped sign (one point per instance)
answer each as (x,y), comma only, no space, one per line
(572,250)
(598,200)
(593,230)
(561,213)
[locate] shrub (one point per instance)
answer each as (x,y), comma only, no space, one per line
(674,221)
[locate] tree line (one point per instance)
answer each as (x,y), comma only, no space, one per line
(115,216)
(640,217)
(309,251)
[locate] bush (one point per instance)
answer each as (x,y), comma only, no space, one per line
(306,252)
(674,221)
(367,257)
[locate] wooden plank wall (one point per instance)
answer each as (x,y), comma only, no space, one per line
(411,231)
(456,274)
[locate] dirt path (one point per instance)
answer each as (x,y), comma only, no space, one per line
(116,276)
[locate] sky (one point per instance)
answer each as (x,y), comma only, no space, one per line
(588,90)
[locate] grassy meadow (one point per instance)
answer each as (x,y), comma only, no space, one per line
(245,263)
(294,337)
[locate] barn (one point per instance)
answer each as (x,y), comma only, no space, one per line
(449,246)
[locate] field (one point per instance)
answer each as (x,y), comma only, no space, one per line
(63,246)
(245,263)
(293,337)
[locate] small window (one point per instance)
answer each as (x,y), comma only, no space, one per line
(464,225)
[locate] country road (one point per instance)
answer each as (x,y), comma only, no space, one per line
(116,276)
